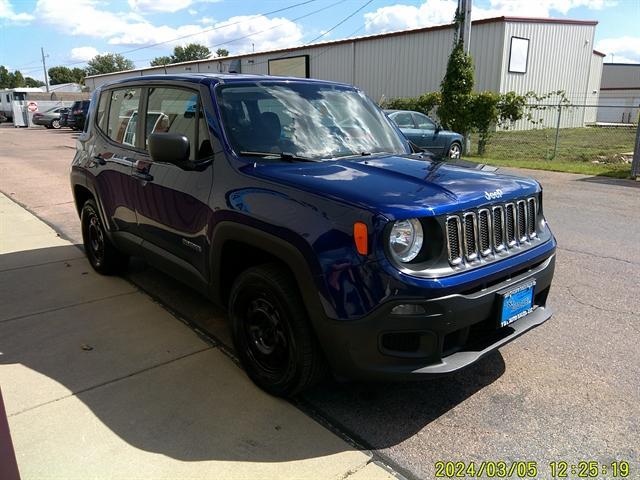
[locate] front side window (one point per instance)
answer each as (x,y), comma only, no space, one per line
(176,110)
(121,125)
(304,119)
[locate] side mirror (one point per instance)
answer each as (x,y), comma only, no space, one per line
(438,127)
(169,148)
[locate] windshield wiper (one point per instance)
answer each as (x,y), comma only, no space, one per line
(289,157)
(361,154)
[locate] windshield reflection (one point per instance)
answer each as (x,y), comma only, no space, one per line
(305,120)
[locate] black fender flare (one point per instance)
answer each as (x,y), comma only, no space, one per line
(279,248)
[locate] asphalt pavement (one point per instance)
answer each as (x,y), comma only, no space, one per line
(566,391)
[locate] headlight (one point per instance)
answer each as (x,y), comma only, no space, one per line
(405,239)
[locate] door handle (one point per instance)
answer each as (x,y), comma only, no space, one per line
(145,177)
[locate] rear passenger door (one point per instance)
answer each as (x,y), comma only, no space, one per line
(171,201)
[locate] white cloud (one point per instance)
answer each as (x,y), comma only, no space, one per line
(88,18)
(164,6)
(7,13)
(83,54)
(154,6)
(438,12)
(624,49)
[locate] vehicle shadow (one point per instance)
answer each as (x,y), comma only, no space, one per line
(621,182)
(150,381)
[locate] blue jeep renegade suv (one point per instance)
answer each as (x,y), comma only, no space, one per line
(299,206)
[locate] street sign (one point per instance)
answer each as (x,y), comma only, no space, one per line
(32,106)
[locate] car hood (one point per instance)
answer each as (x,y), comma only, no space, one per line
(401,186)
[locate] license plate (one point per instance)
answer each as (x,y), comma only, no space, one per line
(517,303)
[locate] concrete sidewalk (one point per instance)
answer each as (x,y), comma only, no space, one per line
(99,381)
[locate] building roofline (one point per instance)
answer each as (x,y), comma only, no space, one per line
(367,37)
(619,64)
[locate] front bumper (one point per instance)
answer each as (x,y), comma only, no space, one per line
(456,331)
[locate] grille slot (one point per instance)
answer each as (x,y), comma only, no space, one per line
(522,221)
(479,234)
(453,240)
(510,222)
(470,236)
(484,232)
(533,217)
(498,228)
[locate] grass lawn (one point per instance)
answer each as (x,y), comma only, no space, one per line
(578,148)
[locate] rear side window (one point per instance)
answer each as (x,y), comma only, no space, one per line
(403,120)
(175,110)
(123,116)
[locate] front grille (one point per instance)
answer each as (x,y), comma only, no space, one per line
(472,235)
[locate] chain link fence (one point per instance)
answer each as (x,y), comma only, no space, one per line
(568,133)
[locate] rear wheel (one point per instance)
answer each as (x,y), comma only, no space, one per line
(102,254)
(55,124)
(455,150)
(271,332)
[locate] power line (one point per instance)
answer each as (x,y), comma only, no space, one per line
(264,14)
(261,31)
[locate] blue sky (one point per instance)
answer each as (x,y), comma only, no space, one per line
(72,31)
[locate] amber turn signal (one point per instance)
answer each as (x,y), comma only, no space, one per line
(361,237)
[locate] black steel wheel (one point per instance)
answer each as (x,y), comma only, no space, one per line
(102,255)
(271,332)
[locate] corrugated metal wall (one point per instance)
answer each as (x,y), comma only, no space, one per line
(559,59)
(593,88)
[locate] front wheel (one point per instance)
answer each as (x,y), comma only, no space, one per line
(455,150)
(271,332)
(102,254)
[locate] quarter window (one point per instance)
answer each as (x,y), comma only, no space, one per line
(123,114)
(175,110)
(102,109)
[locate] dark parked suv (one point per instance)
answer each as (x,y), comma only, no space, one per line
(76,117)
(300,206)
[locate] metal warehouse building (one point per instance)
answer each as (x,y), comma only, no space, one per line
(619,93)
(510,54)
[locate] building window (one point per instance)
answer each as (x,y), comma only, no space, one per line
(519,55)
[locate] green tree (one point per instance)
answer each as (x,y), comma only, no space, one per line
(58,75)
(160,61)
(457,85)
(192,51)
(4,77)
(16,80)
(222,52)
(32,82)
(108,63)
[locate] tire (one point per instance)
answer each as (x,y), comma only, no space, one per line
(48,127)
(55,124)
(271,332)
(101,253)
(455,150)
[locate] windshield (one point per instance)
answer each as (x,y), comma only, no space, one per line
(305,119)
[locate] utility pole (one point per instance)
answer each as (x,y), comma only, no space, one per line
(44,66)
(464,6)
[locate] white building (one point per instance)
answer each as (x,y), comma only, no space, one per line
(509,53)
(619,93)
